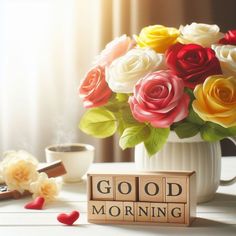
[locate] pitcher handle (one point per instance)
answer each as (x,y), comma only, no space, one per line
(233,180)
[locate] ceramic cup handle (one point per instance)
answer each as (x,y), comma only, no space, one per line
(233,180)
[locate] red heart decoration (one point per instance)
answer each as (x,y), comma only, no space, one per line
(68,219)
(37,204)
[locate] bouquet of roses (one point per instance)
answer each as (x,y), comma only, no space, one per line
(164,79)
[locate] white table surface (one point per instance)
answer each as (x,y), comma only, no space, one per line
(217,217)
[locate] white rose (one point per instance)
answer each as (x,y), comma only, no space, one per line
(18,175)
(125,71)
(45,187)
(202,34)
(19,170)
(227,57)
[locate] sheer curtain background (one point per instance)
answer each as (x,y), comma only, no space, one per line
(47,45)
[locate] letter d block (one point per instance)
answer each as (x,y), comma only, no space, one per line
(102,188)
(176,189)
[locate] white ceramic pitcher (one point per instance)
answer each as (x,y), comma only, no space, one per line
(188,154)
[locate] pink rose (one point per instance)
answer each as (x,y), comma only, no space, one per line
(159,99)
(94,89)
(116,48)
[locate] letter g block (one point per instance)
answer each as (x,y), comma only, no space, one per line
(102,188)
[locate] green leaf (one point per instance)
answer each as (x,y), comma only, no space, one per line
(98,122)
(125,119)
(128,117)
(193,117)
(117,102)
(213,132)
(113,106)
(156,140)
(186,130)
(121,127)
(122,97)
(231,131)
(134,135)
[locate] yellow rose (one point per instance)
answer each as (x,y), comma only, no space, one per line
(45,187)
(216,100)
(157,37)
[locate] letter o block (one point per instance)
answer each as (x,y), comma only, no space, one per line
(114,210)
(151,188)
(125,188)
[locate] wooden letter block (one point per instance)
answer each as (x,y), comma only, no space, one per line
(114,210)
(162,198)
(176,213)
(142,211)
(129,211)
(97,210)
(125,188)
(176,189)
(159,212)
(151,188)
(102,188)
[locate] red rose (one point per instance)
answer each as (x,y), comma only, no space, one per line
(193,63)
(230,38)
(94,89)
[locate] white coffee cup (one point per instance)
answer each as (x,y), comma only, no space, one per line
(76,157)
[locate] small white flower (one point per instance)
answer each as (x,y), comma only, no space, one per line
(125,71)
(202,34)
(19,170)
(227,57)
(45,187)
